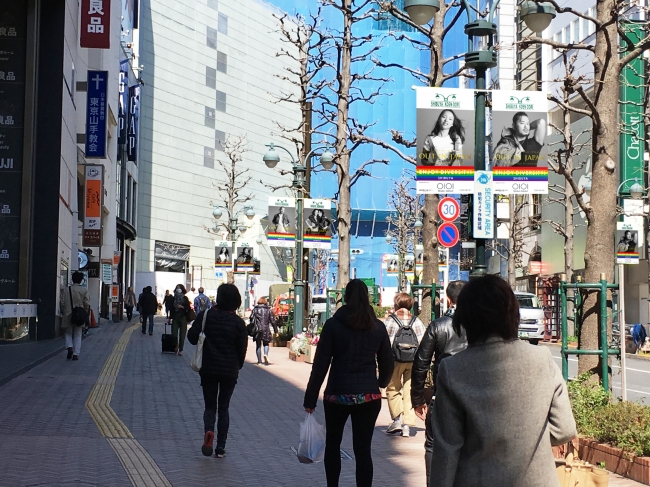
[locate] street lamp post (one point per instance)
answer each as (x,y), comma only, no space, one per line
(271,159)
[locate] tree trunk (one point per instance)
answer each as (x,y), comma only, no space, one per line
(569,231)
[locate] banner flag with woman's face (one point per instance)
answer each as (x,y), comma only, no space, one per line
(282,222)
(317,226)
(445,141)
(245,259)
(520,154)
(222,256)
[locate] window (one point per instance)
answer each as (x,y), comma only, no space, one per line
(213,4)
(592,14)
(211,40)
(208,157)
(557,38)
(118,189)
(222,62)
(222,24)
(575,27)
(221,101)
(210,77)
(566,34)
(134,204)
(209,117)
(127,199)
(219,139)
(586,27)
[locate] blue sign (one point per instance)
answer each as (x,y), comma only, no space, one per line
(448,235)
(483,205)
(133,121)
(96,114)
(124,102)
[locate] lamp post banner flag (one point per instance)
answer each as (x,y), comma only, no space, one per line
(282,222)
(246,261)
(445,141)
(223,255)
(317,228)
(520,153)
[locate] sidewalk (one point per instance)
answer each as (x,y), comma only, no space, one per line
(156,399)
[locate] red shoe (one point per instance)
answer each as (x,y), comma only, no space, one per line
(208,439)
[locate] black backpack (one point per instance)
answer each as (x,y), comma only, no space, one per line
(406,342)
(79,315)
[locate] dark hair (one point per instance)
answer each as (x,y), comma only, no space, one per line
(518,115)
(201,290)
(453,290)
(362,316)
(487,306)
(228,297)
(182,288)
(77,277)
(402,300)
(457,131)
(148,288)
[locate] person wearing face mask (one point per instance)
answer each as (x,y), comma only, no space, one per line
(444,145)
(520,144)
(179,316)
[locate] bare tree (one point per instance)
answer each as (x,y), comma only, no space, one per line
(518,228)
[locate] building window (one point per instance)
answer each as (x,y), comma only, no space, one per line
(134,204)
(118,189)
(211,40)
(171,257)
(536,211)
(221,101)
(557,38)
(210,77)
(127,199)
(213,4)
(566,34)
(592,14)
(219,139)
(222,24)
(586,27)
(575,27)
(222,62)
(208,157)
(209,117)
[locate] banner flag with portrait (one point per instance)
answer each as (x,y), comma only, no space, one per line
(392,264)
(627,243)
(222,256)
(245,260)
(520,154)
(282,222)
(445,141)
(318,224)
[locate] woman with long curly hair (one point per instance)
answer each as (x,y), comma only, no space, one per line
(444,145)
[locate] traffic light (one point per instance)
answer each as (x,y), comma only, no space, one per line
(356,251)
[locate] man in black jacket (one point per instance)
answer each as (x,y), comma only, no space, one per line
(439,342)
(148,308)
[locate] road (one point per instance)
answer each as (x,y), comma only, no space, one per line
(638,375)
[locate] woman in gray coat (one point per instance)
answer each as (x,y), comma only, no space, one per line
(501,404)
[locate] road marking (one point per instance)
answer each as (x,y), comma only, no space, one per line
(138,464)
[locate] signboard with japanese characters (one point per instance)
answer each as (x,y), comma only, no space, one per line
(483,205)
(133,122)
(123,102)
(95,24)
(94,192)
(96,114)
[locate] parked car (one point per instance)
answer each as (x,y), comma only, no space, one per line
(531,318)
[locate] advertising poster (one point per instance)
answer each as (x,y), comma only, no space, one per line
(520,151)
(318,224)
(392,264)
(445,141)
(94,194)
(483,205)
(222,256)
(282,222)
(627,243)
(246,260)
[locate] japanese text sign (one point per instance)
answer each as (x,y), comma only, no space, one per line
(96,114)
(95,24)
(94,191)
(483,205)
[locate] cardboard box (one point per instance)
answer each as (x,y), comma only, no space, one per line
(310,352)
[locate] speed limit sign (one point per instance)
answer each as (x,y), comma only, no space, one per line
(448,209)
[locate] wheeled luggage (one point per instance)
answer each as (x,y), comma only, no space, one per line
(169,342)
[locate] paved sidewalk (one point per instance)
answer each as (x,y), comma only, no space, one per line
(48,436)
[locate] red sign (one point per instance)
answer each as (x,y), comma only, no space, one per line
(448,235)
(448,209)
(95,24)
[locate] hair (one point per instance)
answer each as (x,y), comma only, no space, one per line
(486,307)
(77,277)
(193,289)
(167,291)
(228,297)
(453,290)
(201,290)
(182,288)
(403,300)
(518,115)
(263,301)
(362,316)
(129,289)
(148,288)
(224,250)
(457,131)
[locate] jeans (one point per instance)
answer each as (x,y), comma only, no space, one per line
(144,323)
(364,417)
(258,349)
(73,338)
(179,324)
(129,312)
(217,392)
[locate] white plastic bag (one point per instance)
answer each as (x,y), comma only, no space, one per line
(312,441)
(197,361)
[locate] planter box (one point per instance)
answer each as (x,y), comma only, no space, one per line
(310,353)
(288,343)
(296,357)
(630,466)
(281,343)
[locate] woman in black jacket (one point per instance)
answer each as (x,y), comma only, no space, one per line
(224,351)
(264,318)
(356,343)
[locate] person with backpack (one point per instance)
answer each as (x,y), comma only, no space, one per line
(201,302)
(75,304)
(261,320)
(405,332)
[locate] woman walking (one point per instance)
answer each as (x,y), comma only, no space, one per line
(129,302)
(264,318)
(179,316)
(353,345)
(224,351)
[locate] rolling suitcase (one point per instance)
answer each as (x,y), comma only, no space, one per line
(169,342)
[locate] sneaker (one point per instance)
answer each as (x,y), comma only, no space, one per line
(208,439)
(69,353)
(150,334)
(405,431)
(395,426)
(266,360)
(180,352)
(75,357)
(220,453)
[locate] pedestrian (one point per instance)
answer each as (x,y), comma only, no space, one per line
(129,302)
(148,308)
(74,296)
(352,346)
(179,316)
(405,332)
(479,437)
(224,351)
(264,318)
(168,301)
(201,301)
(191,296)
(439,342)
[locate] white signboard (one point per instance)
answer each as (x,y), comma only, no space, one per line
(483,205)
(627,243)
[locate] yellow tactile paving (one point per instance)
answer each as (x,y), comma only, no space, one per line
(138,464)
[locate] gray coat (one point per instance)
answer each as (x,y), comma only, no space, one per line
(499,408)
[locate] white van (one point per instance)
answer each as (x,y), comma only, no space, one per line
(318,304)
(531,318)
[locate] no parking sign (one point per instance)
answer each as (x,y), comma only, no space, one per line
(448,235)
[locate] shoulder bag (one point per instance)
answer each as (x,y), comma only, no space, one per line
(79,315)
(197,361)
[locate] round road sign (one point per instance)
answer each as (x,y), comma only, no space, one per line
(448,209)
(448,235)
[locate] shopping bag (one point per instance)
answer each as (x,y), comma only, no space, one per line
(312,441)
(574,472)
(197,361)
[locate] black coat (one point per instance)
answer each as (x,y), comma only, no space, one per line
(354,356)
(264,317)
(224,347)
(148,304)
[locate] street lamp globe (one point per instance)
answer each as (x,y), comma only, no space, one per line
(537,16)
(421,11)
(216,213)
(389,239)
(418,224)
(636,191)
(259,241)
(327,160)
(250,213)
(242,228)
(271,158)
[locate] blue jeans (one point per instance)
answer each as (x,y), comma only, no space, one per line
(144,323)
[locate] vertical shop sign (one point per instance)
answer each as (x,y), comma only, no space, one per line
(132,128)
(92,236)
(96,112)
(95,24)
(13,37)
(123,102)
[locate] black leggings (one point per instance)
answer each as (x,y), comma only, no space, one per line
(364,417)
